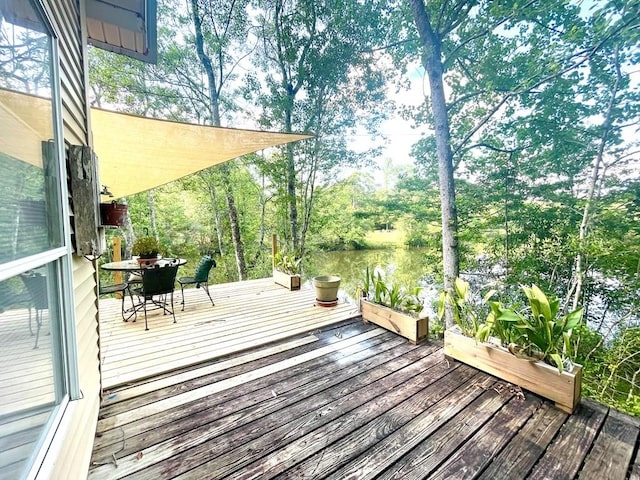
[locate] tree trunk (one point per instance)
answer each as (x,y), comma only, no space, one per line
(431,43)
(128,232)
(214,100)
(595,172)
(234,222)
(211,187)
(152,214)
(291,182)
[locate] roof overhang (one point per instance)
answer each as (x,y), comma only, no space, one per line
(128,27)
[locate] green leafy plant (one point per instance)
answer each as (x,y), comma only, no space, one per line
(289,264)
(146,247)
(545,333)
(537,330)
(376,290)
(466,313)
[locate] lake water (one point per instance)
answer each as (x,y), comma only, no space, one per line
(405,266)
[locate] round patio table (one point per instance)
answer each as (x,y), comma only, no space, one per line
(134,266)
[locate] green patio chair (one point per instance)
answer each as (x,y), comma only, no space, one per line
(124,289)
(200,277)
(158,281)
(36,284)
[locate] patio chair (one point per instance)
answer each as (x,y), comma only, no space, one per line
(200,277)
(158,281)
(36,284)
(124,289)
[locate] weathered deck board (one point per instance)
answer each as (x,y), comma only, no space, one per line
(257,402)
(521,454)
(612,451)
(189,379)
(246,315)
(472,457)
(567,451)
(350,401)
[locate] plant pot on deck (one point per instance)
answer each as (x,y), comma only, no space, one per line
(326,289)
(536,376)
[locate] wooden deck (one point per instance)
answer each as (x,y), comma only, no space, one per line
(246,314)
(352,402)
(27,392)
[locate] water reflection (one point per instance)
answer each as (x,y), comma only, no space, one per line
(407,266)
(27,390)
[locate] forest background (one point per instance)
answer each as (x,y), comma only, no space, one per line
(523,131)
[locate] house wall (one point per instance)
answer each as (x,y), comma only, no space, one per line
(70,451)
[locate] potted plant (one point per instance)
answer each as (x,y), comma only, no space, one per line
(530,346)
(326,287)
(393,307)
(146,248)
(286,270)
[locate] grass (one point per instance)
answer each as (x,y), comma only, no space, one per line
(385,238)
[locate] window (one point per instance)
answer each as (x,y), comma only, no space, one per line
(34,373)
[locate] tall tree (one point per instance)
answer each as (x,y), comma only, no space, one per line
(321,74)
(431,39)
(226,23)
(499,59)
(610,84)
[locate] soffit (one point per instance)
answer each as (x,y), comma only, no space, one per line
(128,27)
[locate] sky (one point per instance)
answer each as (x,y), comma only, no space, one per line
(396,134)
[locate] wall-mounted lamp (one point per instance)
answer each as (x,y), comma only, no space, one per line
(105,191)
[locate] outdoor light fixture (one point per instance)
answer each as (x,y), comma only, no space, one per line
(105,191)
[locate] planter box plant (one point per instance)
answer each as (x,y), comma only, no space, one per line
(412,328)
(290,281)
(286,270)
(563,388)
(391,307)
(530,347)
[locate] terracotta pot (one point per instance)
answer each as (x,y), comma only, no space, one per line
(326,287)
(147,261)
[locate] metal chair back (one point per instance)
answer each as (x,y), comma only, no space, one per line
(159,280)
(202,270)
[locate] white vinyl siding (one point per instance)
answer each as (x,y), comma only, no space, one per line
(70,452)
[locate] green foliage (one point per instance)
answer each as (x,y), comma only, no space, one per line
(543,331)
(611,369)
(374,288)
(290,264)
(146,247)
(468,311)
(536,331)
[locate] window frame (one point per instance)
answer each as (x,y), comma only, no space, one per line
(65,351)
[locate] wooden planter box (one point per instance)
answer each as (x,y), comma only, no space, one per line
(562,388)
(292,282)
(415,329)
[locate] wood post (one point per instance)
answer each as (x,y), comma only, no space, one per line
(274,249)
(117,256)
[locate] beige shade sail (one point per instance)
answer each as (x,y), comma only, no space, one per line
(134,153)
(25,121)
(137,153)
